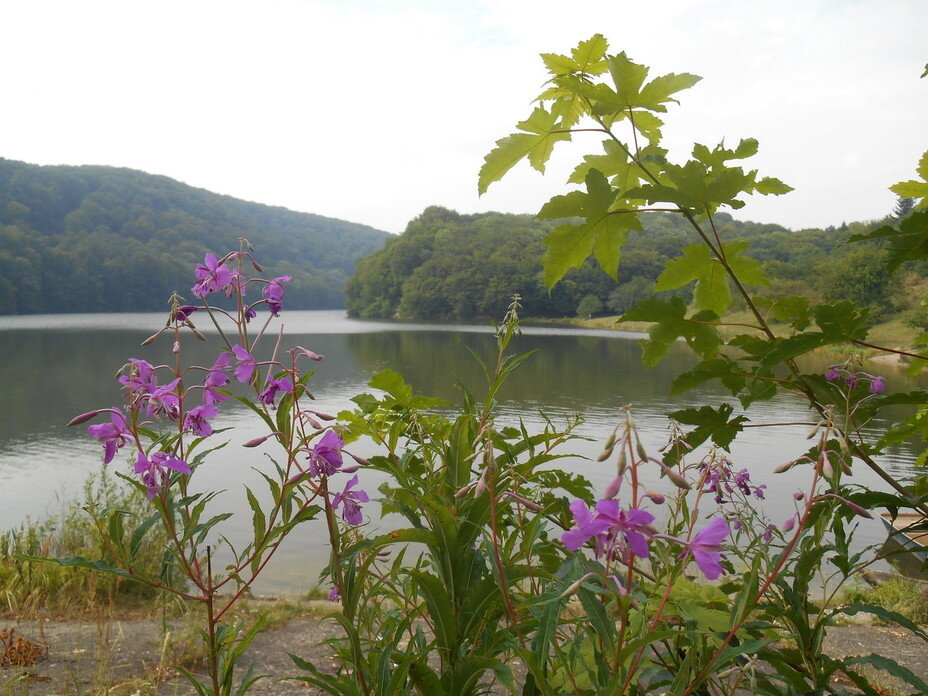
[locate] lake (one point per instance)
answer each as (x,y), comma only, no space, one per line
(56,366)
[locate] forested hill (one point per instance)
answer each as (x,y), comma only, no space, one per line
(451,266)
(92,239)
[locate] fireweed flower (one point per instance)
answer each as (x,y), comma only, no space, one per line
(334,594)
(274,293)
(141,379)
(154,470)
(851,381)
(283,384)
(246,365)
(196,422)
(113,435)
(610,526)
(326,456)
(236,283)
(211,276)
(216,377)
(163,400)
(832,375)
(351,502)
(706,548)
(877,385)
(181,313)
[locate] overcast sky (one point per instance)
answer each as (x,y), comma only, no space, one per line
(372,110)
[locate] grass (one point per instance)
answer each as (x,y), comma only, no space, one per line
(31,589)
(901,595)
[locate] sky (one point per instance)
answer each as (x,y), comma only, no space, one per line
(372,110)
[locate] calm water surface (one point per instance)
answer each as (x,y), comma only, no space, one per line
(54,367)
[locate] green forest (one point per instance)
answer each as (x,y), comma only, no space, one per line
(451,266)
(104,239)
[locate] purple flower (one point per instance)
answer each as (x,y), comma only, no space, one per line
(216,377)
(211,276)
(610,525)
(832,375)
(163,400)
(196,422)
(141,379)
(326,455)
(113,435)
(274,293)
(851,381)
(283,384)
(350,500)
(236,283)
(706,548)
(877,385)
(184,311)
(246,365)
(768,532)
(154,470)
(334,594)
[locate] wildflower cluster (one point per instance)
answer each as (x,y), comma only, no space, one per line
(842,373)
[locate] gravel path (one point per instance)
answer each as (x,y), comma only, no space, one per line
(123,658)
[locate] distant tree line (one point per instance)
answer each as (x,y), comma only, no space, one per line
(96,239)
(451,266)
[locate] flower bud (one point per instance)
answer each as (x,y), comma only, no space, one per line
(604,455)
(259,440)
(799,495)
(258,267)
(675,478)
(360,460)
(151,339)
(789,524)
(621,464)
(349,469)
(656,498)
(198,334)
(785,467)
(464,490)
(324,416)
(641,451)
(613,488)
(481,487)
(83,418)
(576,586)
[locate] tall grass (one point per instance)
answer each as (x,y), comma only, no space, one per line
(29,588)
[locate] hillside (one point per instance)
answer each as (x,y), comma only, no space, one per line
(452,266)
(91,239)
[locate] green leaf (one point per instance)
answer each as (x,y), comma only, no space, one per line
(915,189)
(393,383)
(671,324)
(602,234)
(536,142)
(891,666)
(842,321)
(890,617)
(716,368)
(793,309)
(587,58)
(714,423)
(908,243)
(712,289)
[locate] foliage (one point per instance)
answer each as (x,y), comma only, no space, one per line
(98,239)
(29,588)
(452,266)
(909,598)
